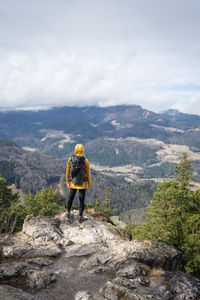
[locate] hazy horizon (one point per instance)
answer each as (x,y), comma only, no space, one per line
(37,109)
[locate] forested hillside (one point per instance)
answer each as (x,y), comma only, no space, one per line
(145,144)
(33,171)
(28,170)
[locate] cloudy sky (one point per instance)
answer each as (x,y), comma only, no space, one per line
(100,52)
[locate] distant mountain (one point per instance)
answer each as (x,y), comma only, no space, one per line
(183,120)
(124,140)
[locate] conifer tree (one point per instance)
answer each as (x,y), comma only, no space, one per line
(11,210)
(173,216)
(44,202)
(98,204)
(106,204)
(184,170)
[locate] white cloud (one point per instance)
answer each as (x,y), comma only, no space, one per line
(100,53)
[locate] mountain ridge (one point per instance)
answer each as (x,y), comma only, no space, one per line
(106,134)
(176,115)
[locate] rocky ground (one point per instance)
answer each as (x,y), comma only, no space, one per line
(53,258)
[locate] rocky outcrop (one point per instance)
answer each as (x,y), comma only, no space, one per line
(9,293)
(54,259)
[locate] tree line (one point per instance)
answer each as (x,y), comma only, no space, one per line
(46,202)
(173,216)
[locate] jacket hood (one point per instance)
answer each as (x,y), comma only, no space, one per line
(79,150)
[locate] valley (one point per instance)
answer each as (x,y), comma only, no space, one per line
(112,136)
(130,149)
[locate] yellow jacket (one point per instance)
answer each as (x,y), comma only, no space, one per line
(79,151)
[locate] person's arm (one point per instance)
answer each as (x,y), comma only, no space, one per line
(68,172)
(88,172)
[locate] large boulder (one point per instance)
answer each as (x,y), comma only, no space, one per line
(166,286)
(152,254)
(40,237)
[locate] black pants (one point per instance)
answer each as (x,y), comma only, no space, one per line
(81,199)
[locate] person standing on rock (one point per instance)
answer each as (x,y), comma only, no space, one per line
(78,177)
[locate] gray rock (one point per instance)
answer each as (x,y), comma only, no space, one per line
(132,270)
(113,291)
(40,261)
(84,250)
(11,270)
(11,293)
(158,255)
(40,279)
(91,231)
(92,256)
(32,278)
(132,289)
(41,229)
(183,285)
(168,286)
(1,253)
(82,295)
(29,251)
(148,253)
(23,245)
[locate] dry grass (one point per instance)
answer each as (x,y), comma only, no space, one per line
(156,272)
(97,215)
(147,242)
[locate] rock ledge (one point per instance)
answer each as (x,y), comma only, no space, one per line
(54,259)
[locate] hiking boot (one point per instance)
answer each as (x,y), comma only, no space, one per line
(68,216)
(81,219)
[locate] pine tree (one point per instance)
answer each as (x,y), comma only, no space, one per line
(173,216)
(11,210)
(44,202)
(184,170)
(107,210)
(98,205)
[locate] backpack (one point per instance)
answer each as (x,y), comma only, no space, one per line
(78,170)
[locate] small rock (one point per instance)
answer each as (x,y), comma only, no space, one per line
(40,279)
(84,250)
(11,270)
(82,295)
(132,270)
(40,261)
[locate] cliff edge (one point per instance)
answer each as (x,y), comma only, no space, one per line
(93,260)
